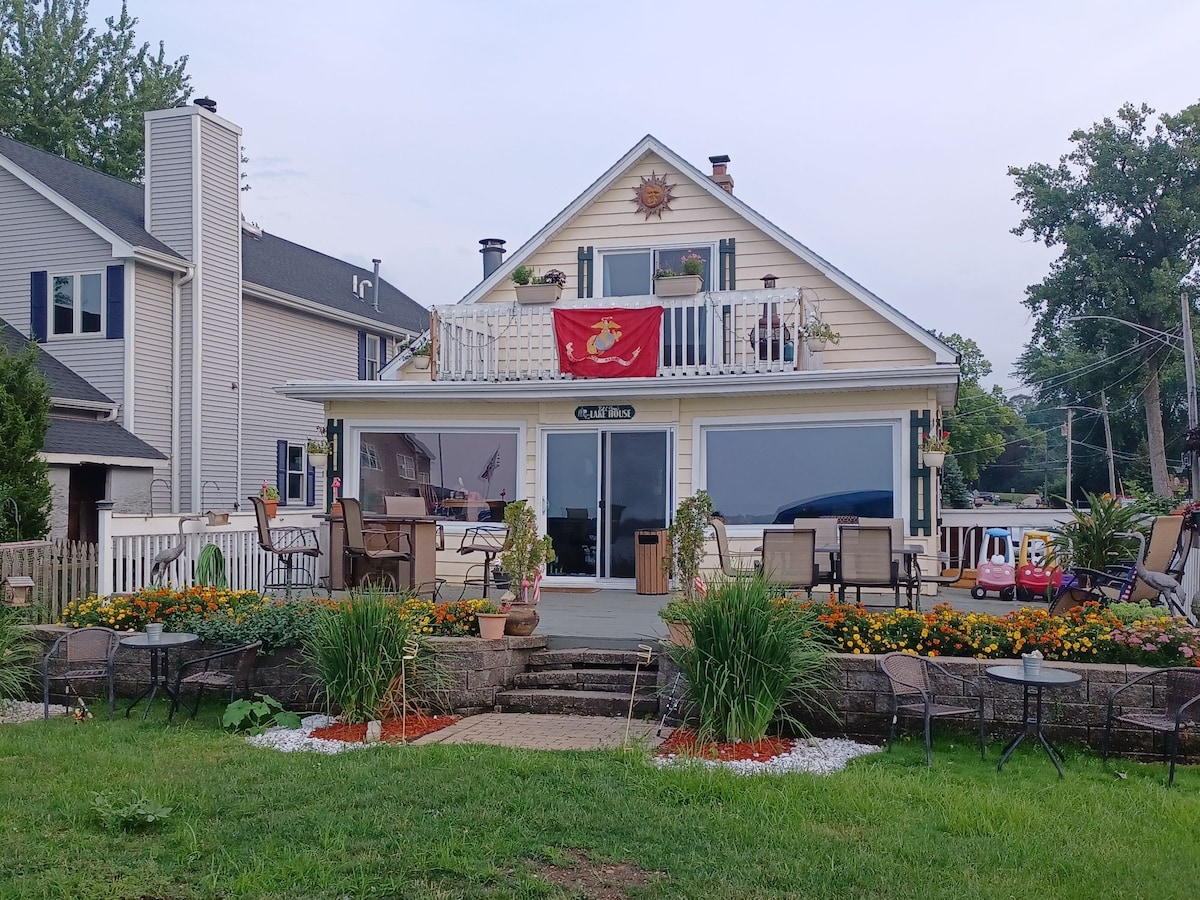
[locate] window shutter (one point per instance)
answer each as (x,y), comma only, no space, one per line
(583,275)
(362,356)
(312,485)
(39,289)
(727,268)
(382,352)
(114,292)
(281,471)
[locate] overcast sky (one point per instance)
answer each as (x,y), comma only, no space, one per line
(876,133)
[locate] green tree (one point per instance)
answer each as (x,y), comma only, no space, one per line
(78,93)
(954,487)
(24,420)
(982,422)
(1123,208)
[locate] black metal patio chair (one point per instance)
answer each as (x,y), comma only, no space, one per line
(913,693)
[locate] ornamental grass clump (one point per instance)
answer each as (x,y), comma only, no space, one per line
(755,657)
(368,659)
(17,654)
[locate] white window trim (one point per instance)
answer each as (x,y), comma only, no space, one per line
(895,419)
(77,310)
(404,470)
(374,342)
(302,498)
(598,264)
(355,428)
(372,455)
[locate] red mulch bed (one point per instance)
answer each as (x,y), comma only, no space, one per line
(684,742)
(414,726)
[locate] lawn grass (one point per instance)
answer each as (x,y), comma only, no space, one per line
(465,822)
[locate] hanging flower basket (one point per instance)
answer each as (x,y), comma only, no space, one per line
(934,459)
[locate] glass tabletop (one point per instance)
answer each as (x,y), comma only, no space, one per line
(1045,676)
(142,641)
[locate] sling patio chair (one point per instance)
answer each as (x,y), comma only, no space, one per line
(377,546)
(1177,708)
(913,692)
(789,559)
(290,545)
(491,541)
(731,561)
(206,672)
(865,559)
(86,654)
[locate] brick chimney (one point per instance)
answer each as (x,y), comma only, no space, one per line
(720,165)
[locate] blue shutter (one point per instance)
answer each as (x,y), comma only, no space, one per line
(362,356)
(39,290)
(115,302)
(281,471)
(382,352)
(312,485)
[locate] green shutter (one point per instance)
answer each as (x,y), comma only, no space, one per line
(920,487)
(583,275)
(727,265)
(334,434)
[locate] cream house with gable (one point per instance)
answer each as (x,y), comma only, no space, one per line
(745,400)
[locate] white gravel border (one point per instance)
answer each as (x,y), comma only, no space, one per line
(819,756)
(295,740)
(13,712)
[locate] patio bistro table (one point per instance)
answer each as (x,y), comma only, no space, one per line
(1033,685)
(159,663)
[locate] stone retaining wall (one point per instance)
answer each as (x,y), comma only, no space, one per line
(1076,713)
(477,670)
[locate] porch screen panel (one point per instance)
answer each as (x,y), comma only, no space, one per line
(772,475)
(463,475)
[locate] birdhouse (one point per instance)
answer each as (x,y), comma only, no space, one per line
(18,590)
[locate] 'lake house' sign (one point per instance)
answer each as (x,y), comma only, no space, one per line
(607,413)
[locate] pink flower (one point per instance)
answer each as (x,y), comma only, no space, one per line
(1186,651)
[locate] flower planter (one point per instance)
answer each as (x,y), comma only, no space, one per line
(318,460)
(934,459)
(420,362)
(538,293)
(678,286)
(272,507)
(679,634)
(491,625)
(522,619)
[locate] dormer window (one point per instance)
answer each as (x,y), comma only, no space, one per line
(630,273)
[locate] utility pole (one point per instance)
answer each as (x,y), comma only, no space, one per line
(1112,466)
(1189,365)
(1070,415)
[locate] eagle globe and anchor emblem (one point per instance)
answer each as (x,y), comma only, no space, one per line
(606,339)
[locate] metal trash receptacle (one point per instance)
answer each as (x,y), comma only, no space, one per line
(649,561)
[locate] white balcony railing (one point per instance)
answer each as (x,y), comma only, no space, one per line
(714,333)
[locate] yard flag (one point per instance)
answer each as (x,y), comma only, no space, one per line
(608,343)
(492,465)
(701,587)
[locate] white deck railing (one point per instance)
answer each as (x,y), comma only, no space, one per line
(128,545)
(714,333)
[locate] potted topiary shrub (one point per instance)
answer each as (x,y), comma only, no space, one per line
(534,288)
(686,537)
(523,555)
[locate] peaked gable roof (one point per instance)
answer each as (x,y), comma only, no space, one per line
(64,383)
(269,261)
(943,353)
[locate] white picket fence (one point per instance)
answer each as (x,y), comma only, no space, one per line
(956,523)
(128,545)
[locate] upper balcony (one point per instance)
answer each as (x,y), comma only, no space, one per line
(713,333)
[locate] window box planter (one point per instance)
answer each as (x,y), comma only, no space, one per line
(420,362)
(678,286)
(538,293)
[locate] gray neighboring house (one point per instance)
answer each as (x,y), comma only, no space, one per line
(183,317)
(89,453)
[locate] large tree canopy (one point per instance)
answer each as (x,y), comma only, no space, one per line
(982,421)
(81,94)
(1124,209)
(24,420)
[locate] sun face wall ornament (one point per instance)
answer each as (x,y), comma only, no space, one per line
(653,195)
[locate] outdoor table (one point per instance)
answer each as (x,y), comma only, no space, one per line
(159,650)
(422,535)
(910,554)
(1032,686)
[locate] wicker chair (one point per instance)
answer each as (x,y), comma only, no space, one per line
(789,558)
(89,654)
(210,677)
(396,545)
(1179,688)
(913,693)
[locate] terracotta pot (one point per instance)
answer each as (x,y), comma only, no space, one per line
(272,507)
(522,619)
(679,634)
(335,508)
(491,625)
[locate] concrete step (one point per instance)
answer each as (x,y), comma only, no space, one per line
(585,703)
(585,657)
(588,680)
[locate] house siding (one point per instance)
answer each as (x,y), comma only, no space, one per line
(35,235)
(611,221)
(169,180)
(314,349)
(152,367)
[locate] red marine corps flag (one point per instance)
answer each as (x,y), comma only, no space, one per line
(608,343)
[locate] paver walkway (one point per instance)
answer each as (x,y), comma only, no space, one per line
(530,731)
